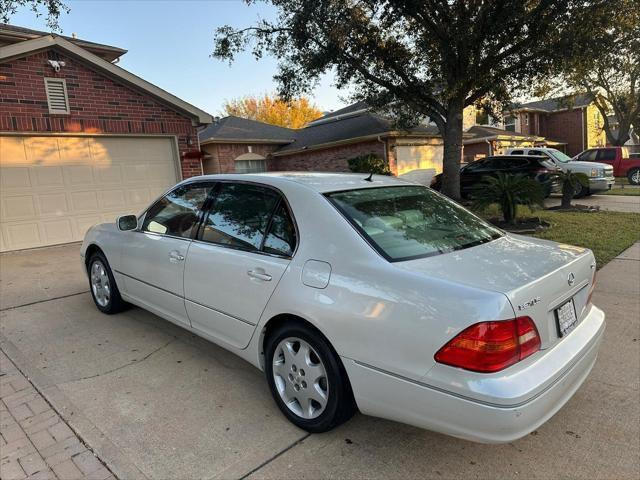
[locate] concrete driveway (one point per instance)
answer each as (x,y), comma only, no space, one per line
(153,401)
(613,203)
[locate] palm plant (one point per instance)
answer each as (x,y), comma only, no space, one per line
(572,184)
(508,191)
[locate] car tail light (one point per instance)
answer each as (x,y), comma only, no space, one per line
(491,346)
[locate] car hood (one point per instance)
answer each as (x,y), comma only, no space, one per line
(536,275)
(579,163)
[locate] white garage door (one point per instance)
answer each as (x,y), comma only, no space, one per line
(411,157)
(52,189)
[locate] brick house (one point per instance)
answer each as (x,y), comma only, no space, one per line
(234,144)
(81,139)
(573,120)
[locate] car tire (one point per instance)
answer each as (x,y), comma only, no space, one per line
(307,379)
(581,191)
(102,285)
(634,176)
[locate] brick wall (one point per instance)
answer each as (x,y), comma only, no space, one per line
(333,159)
(223,155)
(97,103)
(566,127)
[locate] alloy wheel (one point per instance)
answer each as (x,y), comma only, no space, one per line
(300,378)
(100,283)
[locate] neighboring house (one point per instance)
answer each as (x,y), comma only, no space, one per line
(572,120)
(485,140)
(81,139)
(238,145)
(633,144)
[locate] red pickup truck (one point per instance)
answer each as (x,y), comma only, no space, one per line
(618,157)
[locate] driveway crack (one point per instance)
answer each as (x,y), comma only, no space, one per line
(133,362)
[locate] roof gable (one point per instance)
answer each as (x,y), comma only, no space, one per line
(28,47)
(559,103)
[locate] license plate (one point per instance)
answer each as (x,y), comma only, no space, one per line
(566,318)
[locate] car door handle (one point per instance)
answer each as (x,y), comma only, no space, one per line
(175,256)
(259,274)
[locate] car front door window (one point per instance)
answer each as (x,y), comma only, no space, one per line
(176,214)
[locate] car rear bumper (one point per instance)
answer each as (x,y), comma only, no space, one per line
(386,395)
(601,183)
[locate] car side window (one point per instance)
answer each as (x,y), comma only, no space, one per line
(239,216)
(517,152)
(478,165)
(588,156)
(281,238)
(606,154)
(177,213)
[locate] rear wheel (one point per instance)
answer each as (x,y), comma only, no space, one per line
(103,286)
(634,176)
(307,379)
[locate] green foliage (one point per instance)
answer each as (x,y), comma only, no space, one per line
(369,164)
(418,59)
(508,191)
(52,10)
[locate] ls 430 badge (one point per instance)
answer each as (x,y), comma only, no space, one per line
(528,304)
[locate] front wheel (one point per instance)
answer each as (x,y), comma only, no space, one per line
(103,286)
(307,379)
(634,176)
(581,191)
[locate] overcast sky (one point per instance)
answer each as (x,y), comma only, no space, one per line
(169,44)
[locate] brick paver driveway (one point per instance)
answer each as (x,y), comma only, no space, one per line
(153,401)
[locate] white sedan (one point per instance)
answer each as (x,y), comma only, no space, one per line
(361,293)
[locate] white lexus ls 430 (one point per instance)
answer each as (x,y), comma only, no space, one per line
(361,293)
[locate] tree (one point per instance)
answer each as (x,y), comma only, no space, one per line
(609,70)
(53,9)
(572,184)
(295,113)
(416,58)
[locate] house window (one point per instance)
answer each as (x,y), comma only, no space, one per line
(250,163)
(57,98)
(510,124)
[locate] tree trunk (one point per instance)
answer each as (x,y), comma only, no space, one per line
(452,150)
(568,190)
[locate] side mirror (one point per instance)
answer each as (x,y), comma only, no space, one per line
(127,222)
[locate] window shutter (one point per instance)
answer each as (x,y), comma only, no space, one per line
(57,95)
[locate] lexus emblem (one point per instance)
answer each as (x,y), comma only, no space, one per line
(571,279)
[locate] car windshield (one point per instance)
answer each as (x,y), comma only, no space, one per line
(408,222)
(558,155)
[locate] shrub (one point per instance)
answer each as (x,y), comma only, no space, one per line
(369,163)
(508,191)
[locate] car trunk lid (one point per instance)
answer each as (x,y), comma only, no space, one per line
(537,276)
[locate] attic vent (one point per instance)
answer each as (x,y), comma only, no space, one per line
(57,95)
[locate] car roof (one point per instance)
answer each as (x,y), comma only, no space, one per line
(318,181)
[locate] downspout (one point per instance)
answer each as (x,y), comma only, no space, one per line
(384,143)
(490,147)
(584,120)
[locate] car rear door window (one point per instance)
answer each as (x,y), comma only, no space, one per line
(588,156)
(281,238)
(177,213)
(239,216)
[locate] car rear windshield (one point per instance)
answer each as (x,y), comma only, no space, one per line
(408,222)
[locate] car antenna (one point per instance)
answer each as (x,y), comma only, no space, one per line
(369,178)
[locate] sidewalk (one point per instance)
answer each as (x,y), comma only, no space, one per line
(34,441)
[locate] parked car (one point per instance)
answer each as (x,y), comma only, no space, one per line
(537,167)
(356,291)
(618,157)
(600,174)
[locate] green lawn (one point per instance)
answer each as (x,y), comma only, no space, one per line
(621,191)
(606,233)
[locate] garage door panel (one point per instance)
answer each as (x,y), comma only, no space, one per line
(22,235)
(410,157)
(54,188)
(15,178)
(84,201)
(79,175)
(19,207)
(48,177)
(42,151)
